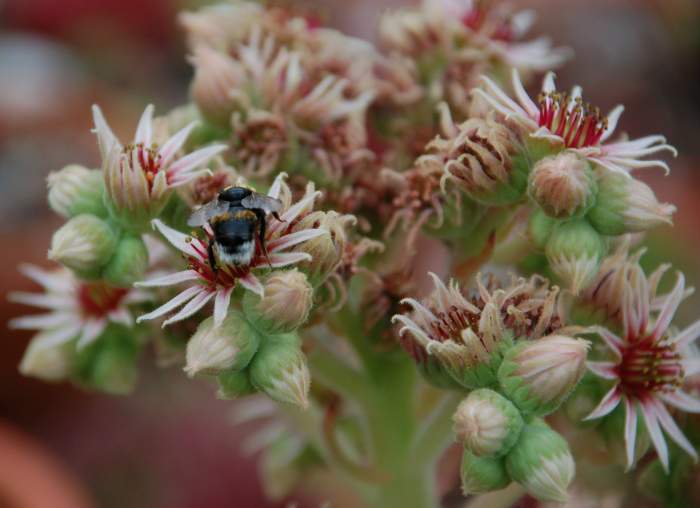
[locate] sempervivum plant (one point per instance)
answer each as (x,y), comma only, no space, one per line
(324,173)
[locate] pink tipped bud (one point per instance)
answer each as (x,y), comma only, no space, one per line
(563,185)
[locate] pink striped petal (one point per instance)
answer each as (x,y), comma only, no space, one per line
(252,283)
(276,186)
(286,241)
(607,405)
(106,140)
(196,303)
(671,428)
(688,335)
(144,130)
(682,401)
(606,370)
(221,303)
(298,207)
(657,437)
(178,300)
(630,431)
(280,259)
(669,309)
(523,97)
(193,160)
(180,241)
(176,141)
(614,342)
(169,280)
(613,118)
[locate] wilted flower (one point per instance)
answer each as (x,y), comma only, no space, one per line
(478,156)
(469,335)
(77,310)
(567,122)
(139,176)
(208,283)
(649,367)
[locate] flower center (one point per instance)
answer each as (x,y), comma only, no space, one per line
(146,159)
(98,299)
(578,124)
(649,366)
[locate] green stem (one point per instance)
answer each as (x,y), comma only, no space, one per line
(498,499)
(435,435)
(331,370)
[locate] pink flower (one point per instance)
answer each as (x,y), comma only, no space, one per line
(207,284)
(139,176)
(77,309)
(566,120)
(649,366)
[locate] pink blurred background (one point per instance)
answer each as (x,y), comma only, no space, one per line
(172,443)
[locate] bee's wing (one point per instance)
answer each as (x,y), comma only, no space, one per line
(266,203)
(202,214)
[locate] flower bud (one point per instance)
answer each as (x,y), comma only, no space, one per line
(487,423)
(85,244)
(481,158)
(110,363)
(626,205)
(539,375)
(128,263)
(280,370)
(234,384)
(47,362)
(216,75)
(574,252)
(214,349)
(482,474)
(539,227)
(286,304)
(326,250)
(542,463)
(75,190)
(563,185)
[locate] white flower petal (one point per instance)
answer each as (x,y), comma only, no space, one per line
(286,241)
(606,370)
(607,404)
(169,280)
(630,430)
(672,429)
(43,300)
(251,282)
(42,321)
(178,240)
(61,335)
(280,259)
(613,118)
(682,401)
(178,300)
(193,160)
(688,335)
(176,141)
(106,139)
(669,309)
(92,329)
(657,437)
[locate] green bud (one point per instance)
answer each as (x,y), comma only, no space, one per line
(563,185)
(574,252)
(626,205)
(542,463)
(229,346)
(234,384)
(487,423)
(128,263)
(75,190)
(110,363)
(540,227)
(280,370)
(286,305)
(482,474)
(48,363)
(539,375)
(84,244)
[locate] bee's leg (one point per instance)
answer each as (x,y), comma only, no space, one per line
(277,216)
(261,233)
(212,258)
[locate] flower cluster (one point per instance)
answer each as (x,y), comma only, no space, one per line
(274,233)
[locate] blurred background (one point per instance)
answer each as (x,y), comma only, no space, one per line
(172,444)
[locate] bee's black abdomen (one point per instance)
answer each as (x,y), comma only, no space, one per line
(235,237)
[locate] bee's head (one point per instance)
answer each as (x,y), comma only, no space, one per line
(234,194)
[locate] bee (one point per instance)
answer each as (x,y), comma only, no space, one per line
(237,217)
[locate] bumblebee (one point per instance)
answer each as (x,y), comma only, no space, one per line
(238,218)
